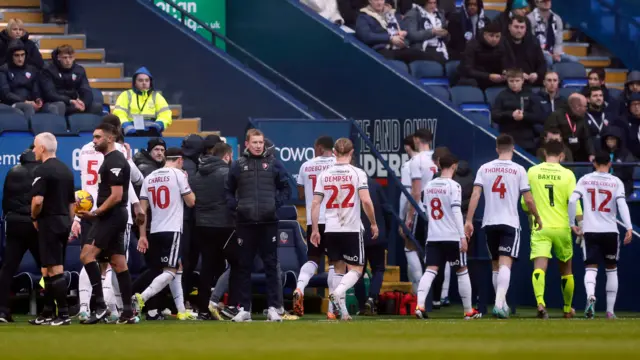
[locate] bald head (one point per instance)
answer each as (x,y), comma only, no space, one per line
(578,104)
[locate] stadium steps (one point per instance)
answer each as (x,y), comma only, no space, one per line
(108,77)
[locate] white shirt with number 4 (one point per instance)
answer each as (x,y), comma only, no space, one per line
(339,186)
(308,176)
(600,193)
(502,182)
(441,196)
(164,189)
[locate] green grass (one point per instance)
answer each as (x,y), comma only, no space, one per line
(445,335)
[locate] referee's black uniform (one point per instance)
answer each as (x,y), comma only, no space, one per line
(54,182)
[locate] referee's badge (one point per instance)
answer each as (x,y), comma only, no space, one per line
(265,166)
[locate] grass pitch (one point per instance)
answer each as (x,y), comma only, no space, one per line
(445,335)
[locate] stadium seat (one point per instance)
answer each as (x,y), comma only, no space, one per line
(83,123)
(287,212)
(614,93)
(55,124)
(13,122)
(439,92)
(567,91)
(399,66)
(492,93)
(480,118)
(571,74)
(492,14)
(451,68)
(429,73)
(97,96)
(468,98)
(292,249)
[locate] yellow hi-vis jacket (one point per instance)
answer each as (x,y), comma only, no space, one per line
(149,104)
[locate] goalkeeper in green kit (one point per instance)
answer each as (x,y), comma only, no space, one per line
(551,187)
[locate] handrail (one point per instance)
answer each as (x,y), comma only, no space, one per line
(215,34)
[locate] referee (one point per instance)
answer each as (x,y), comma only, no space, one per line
(52,207)
(109,224)
(257,185)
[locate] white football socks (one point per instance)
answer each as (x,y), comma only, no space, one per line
(107,290)
(176,291)
(494,281)
(504,278)
(590,275)
(414,268)
(116,290)
(160,282)
(425,286)
(464,288)
(330,275)
(84,291)
(612,288)
(306,273)
(347,282)
(446,282)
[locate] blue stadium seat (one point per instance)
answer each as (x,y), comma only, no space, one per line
(440,92)
(614,93)
(13,123)
(84,123)
(480,118)
(567,91)
(97,96)
(429,73)
(492,93)
(55,124)
(571,74)
(399,66)
(468,98)
(28,275)
(287,212)
(491,14)
(451,68)
(292,249)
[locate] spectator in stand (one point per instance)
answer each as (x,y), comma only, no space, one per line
(465,25)
(631,86)
(596,78)
(515,8)
(15,31)
(630,125)
(427,30)
(599,115)
(574,128)
(548,30)
(516,113)
(549,98)
(19,86)
(482,62)
(64,85)
(555,135)
(350,9)
(612,143)
(378,26)
(328,9)
(523,52)
(143,101)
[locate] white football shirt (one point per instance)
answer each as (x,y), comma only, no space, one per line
(600,193)
(308,176)
(339,186)
(441,196)
(133,199)
(405,178)
(502,182)
(423,168)
(164,189)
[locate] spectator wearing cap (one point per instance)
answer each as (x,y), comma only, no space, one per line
(427,30)
(19,86)
(548,30)
(631,86)
(523,52)
(465,25)
(549,98)
(573,127)
(482,62)
(65,86)
(630,125)
(152,158)
(379,27)
(599,114)
(15,31)
(144,102)
(596,78)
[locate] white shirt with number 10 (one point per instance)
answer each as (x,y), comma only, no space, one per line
(502,182)
(164,189)
(440,197)
(600,193)
(339,186)
(308,176)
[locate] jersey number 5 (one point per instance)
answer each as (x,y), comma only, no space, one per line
(499,187)
(603,205)
(160,196)
(91,171)
(346,203)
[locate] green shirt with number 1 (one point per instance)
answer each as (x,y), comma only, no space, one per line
(551,186)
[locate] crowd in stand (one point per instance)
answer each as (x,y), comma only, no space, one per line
(516,50)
